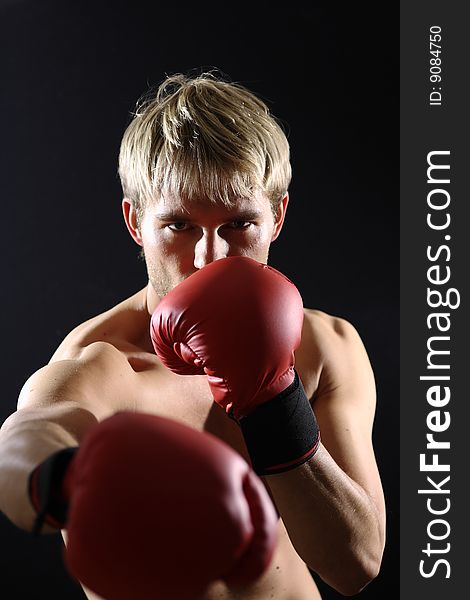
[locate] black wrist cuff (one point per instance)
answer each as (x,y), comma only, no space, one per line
(283,433)
(45,490)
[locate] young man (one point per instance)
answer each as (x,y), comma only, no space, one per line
(205,173)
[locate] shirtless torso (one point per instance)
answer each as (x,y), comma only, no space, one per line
(135,378)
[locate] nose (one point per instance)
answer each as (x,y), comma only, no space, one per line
(209,248)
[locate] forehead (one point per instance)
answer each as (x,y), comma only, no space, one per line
(167,203)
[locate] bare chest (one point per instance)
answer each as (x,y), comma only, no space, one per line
(186,399)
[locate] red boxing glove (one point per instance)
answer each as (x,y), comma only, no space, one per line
(159,510)
(239,322)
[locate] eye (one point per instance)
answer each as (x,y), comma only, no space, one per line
(179,226)
(239,224)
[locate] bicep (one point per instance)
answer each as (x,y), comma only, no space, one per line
(345,405)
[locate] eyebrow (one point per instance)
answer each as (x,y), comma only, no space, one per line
(172,216)
(179,216)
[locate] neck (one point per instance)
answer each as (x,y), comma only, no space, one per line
(152,299)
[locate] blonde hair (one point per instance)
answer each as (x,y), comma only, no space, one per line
(203,137)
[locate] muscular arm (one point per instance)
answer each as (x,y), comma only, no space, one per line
(56,406)
(333,505)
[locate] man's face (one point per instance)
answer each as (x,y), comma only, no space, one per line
(178,238)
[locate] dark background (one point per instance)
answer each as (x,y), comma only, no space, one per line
(71,73)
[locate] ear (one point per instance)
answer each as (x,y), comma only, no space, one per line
(280,216)
(130,217)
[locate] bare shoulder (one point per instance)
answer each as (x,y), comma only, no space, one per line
(98,379)
(330,335)
(323,323)
(333,350)
(117,327)
(89,369)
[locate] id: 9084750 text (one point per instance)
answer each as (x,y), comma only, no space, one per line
(435,68)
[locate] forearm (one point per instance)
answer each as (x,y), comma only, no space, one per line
(331,521)
(26,439)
